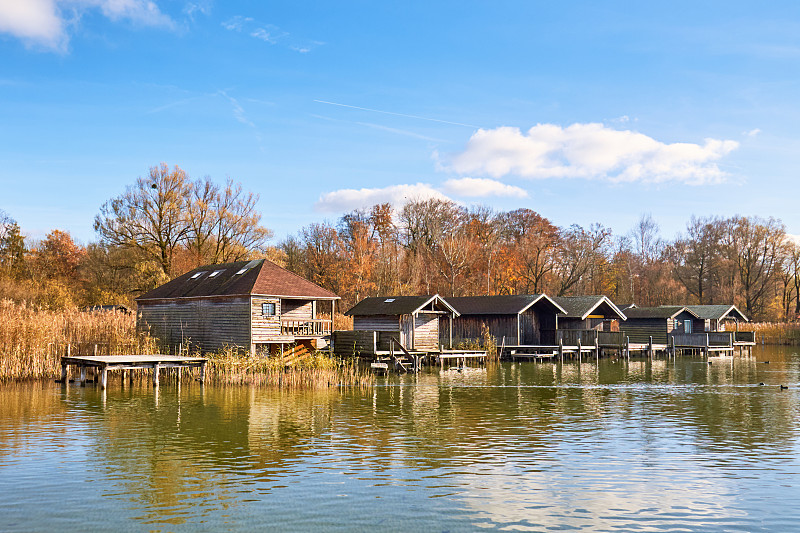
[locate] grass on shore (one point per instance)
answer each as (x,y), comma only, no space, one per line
(780,333)
(32,341)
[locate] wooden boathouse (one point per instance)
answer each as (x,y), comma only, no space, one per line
(254,306)
(414,321)
(589,320)
(519,319)
(651,328)
(716,318)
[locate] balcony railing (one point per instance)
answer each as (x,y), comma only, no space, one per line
(306,327)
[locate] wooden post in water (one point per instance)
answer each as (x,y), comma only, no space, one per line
(561,349)
(103,377)
(83,376)
(579,349)
(628,347)
(155,374)
(650,347)
(203,372)
(597,346)
(64,372)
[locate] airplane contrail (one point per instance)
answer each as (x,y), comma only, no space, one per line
(398,114)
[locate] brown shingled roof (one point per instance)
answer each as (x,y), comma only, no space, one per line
(261,277)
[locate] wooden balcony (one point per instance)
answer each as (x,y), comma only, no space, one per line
(306,327)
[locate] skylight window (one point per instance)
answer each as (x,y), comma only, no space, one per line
(248,266)
(198,274)
(216,273)
(388,300)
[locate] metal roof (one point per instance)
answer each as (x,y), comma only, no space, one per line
(717,312)
(512,304)
(396,305)
(583,306)
(664,312)
(242,278)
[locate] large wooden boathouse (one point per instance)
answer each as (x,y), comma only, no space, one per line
(254,306)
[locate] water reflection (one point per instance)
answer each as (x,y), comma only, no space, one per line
(619,444)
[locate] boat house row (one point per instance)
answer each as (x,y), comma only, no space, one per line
(432,323)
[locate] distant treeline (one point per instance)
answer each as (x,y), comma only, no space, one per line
(165,224)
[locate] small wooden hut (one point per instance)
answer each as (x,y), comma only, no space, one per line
(253,306)
(520,319)
(414,319)
(589,313)
(711,318)
(657,322)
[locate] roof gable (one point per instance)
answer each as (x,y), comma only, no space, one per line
(397,305)
(240,278)
(663,312)
(718,312)
(501,304)
(583,306)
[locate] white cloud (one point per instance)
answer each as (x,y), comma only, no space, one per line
(33,21)
(481,187)
(590,151)
(350,199)
(42,23)
(753,132)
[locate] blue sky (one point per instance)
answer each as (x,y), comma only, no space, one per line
(583,111)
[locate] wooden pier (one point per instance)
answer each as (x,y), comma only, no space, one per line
(102,364)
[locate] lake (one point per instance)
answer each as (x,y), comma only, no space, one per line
(661,445)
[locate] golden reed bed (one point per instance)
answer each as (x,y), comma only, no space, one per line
(32,341)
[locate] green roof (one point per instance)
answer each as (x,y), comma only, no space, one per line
(717,312)
(664,311)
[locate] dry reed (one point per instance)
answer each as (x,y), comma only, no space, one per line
(315,370)
(785,333)
(32,339)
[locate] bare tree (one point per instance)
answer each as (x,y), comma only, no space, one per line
(150,216)
(755,247)
(579,252)
(697,256)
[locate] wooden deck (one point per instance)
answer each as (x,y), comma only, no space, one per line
(103,363)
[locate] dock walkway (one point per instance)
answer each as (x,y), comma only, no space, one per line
(103,363)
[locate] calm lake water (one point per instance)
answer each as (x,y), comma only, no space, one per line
(626,446)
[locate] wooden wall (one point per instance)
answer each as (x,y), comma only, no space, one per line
(468,327)
(426,331)
(265,328)
(297,309)
(376,323)
(207,323)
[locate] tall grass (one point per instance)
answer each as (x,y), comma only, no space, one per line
(32,339)
(786,333)
(312,371)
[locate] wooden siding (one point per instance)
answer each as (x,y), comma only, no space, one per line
(426,331)
(297,309)
(362,343)
(468,328)
(376,323)
(265,328)
(640,329)
(210,324)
